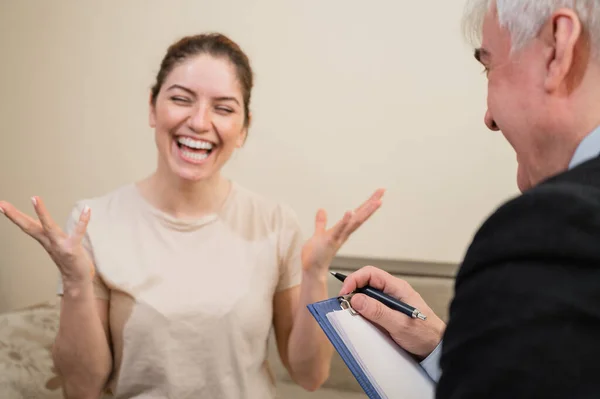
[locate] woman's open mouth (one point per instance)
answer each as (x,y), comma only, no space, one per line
(193,150)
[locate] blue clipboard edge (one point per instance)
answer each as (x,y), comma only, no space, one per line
(319,310)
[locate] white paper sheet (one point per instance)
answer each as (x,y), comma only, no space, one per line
(391,370)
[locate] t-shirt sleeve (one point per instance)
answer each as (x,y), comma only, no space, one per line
(291,241)
(100,289)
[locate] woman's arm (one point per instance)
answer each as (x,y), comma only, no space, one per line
(81,351)
(303,347)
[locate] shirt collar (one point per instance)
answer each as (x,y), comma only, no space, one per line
(587,149)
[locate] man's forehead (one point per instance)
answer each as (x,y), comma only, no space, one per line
(490,28)
(494,38)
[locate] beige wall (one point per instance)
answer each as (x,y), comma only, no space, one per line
(350,95)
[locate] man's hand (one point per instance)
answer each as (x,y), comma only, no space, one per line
(419,337)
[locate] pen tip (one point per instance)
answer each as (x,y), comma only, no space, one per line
(332,273)
(422,316)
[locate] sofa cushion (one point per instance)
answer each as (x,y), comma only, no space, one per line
(26,368)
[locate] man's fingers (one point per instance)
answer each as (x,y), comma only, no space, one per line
(23,221)
(417,337)
(82,224)
(367,275)
(378,279)
(45,219)
(375,311)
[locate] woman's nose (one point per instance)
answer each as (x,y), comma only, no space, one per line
(199,119)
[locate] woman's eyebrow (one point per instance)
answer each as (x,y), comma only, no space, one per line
(180,87)
(225,98)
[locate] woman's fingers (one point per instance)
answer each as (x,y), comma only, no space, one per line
(375,197)
(337,231)
(44,230)
(320,221)
(44,216)
(351,220)
(29,225)
(364,212)
(81,226)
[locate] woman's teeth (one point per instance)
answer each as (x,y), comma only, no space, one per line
(196,150)
(196,156)
(196,144)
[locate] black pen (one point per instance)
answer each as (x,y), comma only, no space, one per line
(386,299)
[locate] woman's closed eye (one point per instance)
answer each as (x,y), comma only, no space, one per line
(180,100)
(224,110)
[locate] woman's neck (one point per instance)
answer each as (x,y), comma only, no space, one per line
(184,199)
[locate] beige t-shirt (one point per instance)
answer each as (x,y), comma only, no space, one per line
(191,302)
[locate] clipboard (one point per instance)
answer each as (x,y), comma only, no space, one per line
(379,365)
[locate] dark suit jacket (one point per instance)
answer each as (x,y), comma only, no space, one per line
(525,319)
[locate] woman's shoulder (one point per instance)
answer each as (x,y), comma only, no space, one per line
(253,204)
(116,200)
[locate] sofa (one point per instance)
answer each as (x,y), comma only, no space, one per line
(26,336)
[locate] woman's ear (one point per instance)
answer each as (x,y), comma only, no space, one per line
(151,112)
(242,137)
(244,134)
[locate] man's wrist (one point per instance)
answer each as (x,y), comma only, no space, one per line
(435,342)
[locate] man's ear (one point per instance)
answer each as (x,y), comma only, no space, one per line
(151,112)
(562,33)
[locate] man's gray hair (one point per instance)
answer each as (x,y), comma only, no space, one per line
(525,18)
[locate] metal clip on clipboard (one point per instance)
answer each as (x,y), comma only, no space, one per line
(345,303)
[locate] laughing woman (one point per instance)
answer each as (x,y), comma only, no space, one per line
(170,285)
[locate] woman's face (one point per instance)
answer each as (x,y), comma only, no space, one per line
(198,117)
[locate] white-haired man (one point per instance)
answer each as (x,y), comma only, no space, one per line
(525,319)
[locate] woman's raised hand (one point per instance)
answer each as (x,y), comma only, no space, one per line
(320,249)
(67,251)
